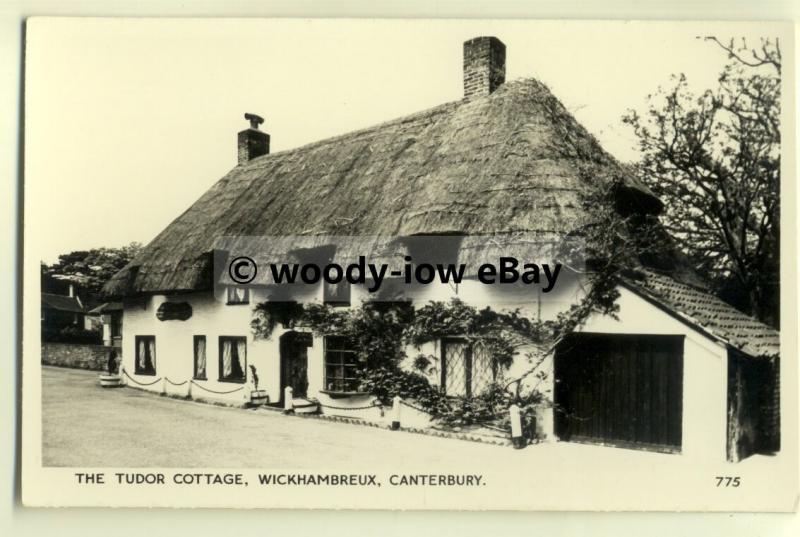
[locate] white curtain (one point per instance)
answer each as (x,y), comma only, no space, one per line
(201,358)
(226,358)
(236,294)
(241,348)
(152,346)
(140,354)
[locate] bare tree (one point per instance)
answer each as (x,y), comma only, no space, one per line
(714,160)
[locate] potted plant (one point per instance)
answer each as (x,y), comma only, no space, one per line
(257,397)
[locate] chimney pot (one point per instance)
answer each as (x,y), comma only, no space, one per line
(252,142)
(484,66)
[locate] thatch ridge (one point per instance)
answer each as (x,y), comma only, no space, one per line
(514,161)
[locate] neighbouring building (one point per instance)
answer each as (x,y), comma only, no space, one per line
(677,370)
(60,312)
(108,316)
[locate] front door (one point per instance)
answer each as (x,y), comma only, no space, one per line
(294,362)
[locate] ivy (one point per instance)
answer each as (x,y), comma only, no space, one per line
(380,332)
(267,316)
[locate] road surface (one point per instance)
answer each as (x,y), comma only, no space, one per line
(84,425)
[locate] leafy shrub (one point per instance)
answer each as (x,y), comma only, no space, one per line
(380,331)
(73,334)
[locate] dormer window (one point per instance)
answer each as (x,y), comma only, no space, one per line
(238,295)
(336,294)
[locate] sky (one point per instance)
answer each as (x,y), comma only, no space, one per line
(129,121)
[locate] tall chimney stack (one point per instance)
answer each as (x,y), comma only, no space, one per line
(252,142)
(484,66)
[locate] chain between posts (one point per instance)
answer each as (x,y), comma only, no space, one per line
(175,383)
(373,405)
(413,407)
(140,383)
(240,388)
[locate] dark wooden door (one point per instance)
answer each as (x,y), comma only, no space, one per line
(294,362)
(620,390)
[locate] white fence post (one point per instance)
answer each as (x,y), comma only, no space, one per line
(189,389)
(517,440)
(396,412)
(288,403)
(164,385)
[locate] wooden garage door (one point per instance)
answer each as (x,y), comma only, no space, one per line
(620,390)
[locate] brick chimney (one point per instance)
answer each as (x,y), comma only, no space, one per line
(252,142)
(484,66)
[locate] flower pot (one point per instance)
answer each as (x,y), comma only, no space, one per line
(259,397)
(110,381)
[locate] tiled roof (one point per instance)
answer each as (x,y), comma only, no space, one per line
(61,303)
(106,307)
(711,315)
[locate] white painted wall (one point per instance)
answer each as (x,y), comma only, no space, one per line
(705,362)
(705,372)
(212,318)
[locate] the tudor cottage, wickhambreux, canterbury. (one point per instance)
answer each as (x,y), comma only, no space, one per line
(679,369)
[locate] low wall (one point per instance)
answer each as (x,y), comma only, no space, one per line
(78,356)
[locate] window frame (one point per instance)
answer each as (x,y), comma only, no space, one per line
(357,365)
(469,366)
(236,302)
(341,303)
(146,339)
(195,340)
(115,324)
(232,339)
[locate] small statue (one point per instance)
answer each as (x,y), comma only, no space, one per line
(112,362)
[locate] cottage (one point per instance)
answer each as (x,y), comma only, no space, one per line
(63,315)
(677,370)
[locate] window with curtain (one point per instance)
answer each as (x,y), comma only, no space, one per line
(200,357)
(238,295)
(336,294)
(145,355)
(232,358)
(342,366)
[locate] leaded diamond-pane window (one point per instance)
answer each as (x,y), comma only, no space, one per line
(484,370)
(467,370)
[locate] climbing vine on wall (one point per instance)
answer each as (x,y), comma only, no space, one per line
(380,332)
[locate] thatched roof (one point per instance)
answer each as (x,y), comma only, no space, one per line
(513,165)
(513,161)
